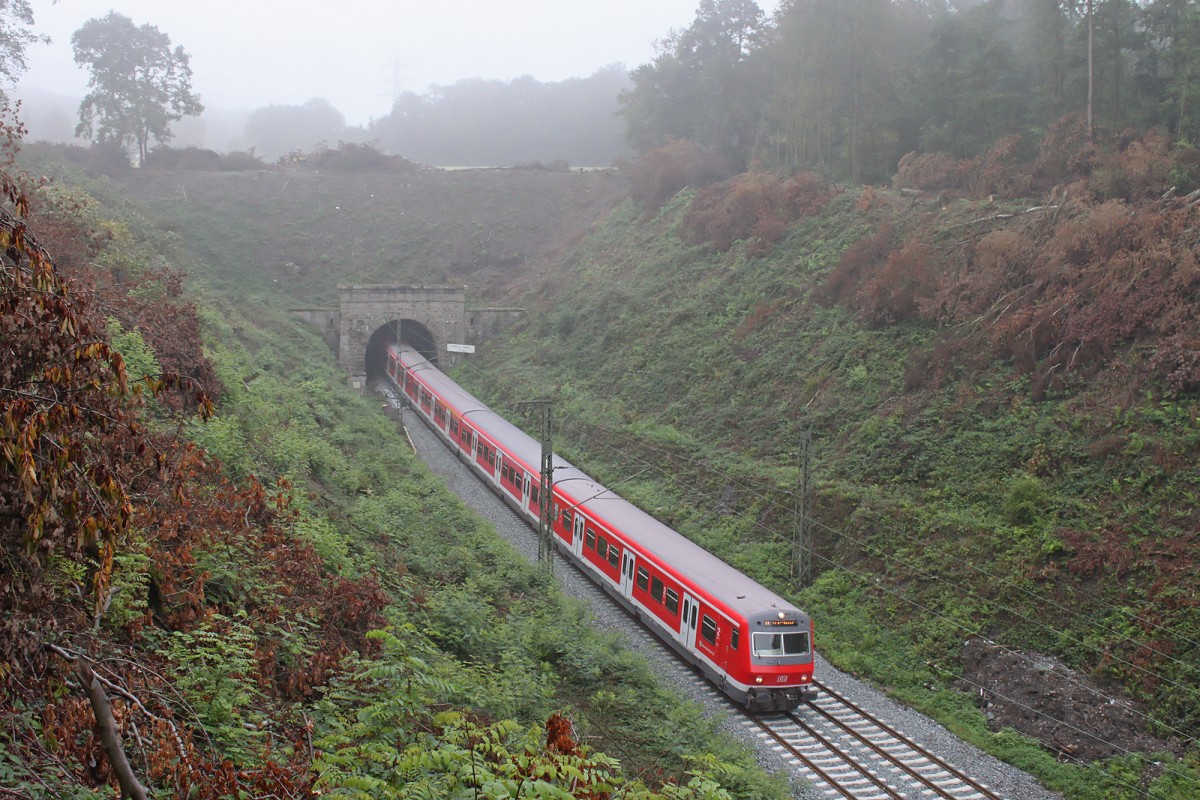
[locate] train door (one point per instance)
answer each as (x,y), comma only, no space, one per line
(526,483)
(577,534)
(687,631)
(627,573)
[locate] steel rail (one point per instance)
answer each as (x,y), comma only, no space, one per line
(979,789)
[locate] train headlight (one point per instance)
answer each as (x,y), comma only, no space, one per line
(758,678)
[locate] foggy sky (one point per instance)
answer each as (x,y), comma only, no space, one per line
(360,54)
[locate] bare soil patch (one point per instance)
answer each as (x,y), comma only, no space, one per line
(1074,715)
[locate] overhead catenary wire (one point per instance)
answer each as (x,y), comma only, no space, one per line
(928,574)
(934,613)
(775,534)
(1037,597)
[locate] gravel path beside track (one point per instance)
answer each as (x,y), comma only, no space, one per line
(1002,778)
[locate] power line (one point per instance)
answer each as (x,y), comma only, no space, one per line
(1119,636)
(674,479)
(926,573)
(1036,597)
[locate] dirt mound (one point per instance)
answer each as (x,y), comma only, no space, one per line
(1070,713)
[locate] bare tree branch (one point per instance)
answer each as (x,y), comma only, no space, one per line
(110,737)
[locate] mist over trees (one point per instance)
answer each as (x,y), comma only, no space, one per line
(488,122)
(275,131)
(472,122)
(848,87)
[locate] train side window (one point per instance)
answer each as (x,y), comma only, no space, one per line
(656,589)
(567,518)
(589,538)
(734,635)
(643,578)
(672,601)
(708,629)
(614,556)
(602,546)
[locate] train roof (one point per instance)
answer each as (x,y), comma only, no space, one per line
(724,583)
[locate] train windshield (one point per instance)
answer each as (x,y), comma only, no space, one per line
(774,645)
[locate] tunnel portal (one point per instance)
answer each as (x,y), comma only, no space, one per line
(427,318)
(402,331)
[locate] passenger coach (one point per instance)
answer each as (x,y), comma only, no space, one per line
(749,641)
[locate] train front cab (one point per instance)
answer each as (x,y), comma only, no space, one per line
(781,660)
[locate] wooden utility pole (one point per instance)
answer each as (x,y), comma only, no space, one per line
(1091,90)
(802,530)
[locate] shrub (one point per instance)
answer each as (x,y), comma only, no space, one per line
(352,157)
(1000,172)
(1138,168)
(1065,152)
(753,205)
(929,172)
(897,291)
(100,159)
(661,174)
(193,158)
(843,283)
(1024,501)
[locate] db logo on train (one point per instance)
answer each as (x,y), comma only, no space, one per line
(782,678)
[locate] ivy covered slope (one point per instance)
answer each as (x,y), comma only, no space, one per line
(1002,389)
(237,581)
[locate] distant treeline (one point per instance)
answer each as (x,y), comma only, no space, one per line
(482,122)
(848,87)
(470,123)
(845,88)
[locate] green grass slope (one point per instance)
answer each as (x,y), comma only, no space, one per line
(959,495)
(461,688)
(1002,396)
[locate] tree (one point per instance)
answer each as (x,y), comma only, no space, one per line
(16,18)
(839,72)
(139,84)
(1170,66)
(702,85)
(976,90)
(278,130)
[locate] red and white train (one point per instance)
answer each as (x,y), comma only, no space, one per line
(754,645)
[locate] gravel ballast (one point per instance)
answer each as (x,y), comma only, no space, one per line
(1002,778)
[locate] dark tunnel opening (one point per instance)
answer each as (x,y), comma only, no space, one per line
(404,331)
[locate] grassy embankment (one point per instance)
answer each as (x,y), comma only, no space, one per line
(942,511)
(947,506)
(472,625)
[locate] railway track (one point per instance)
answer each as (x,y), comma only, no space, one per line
(830,741)
(847,752)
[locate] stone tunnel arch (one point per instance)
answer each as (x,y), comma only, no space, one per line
(427,317)
(404,331)
(431,319)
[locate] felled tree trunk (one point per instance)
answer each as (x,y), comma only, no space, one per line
(110,737)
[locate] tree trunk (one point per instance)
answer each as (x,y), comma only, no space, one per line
(110,737)
(1091,65)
